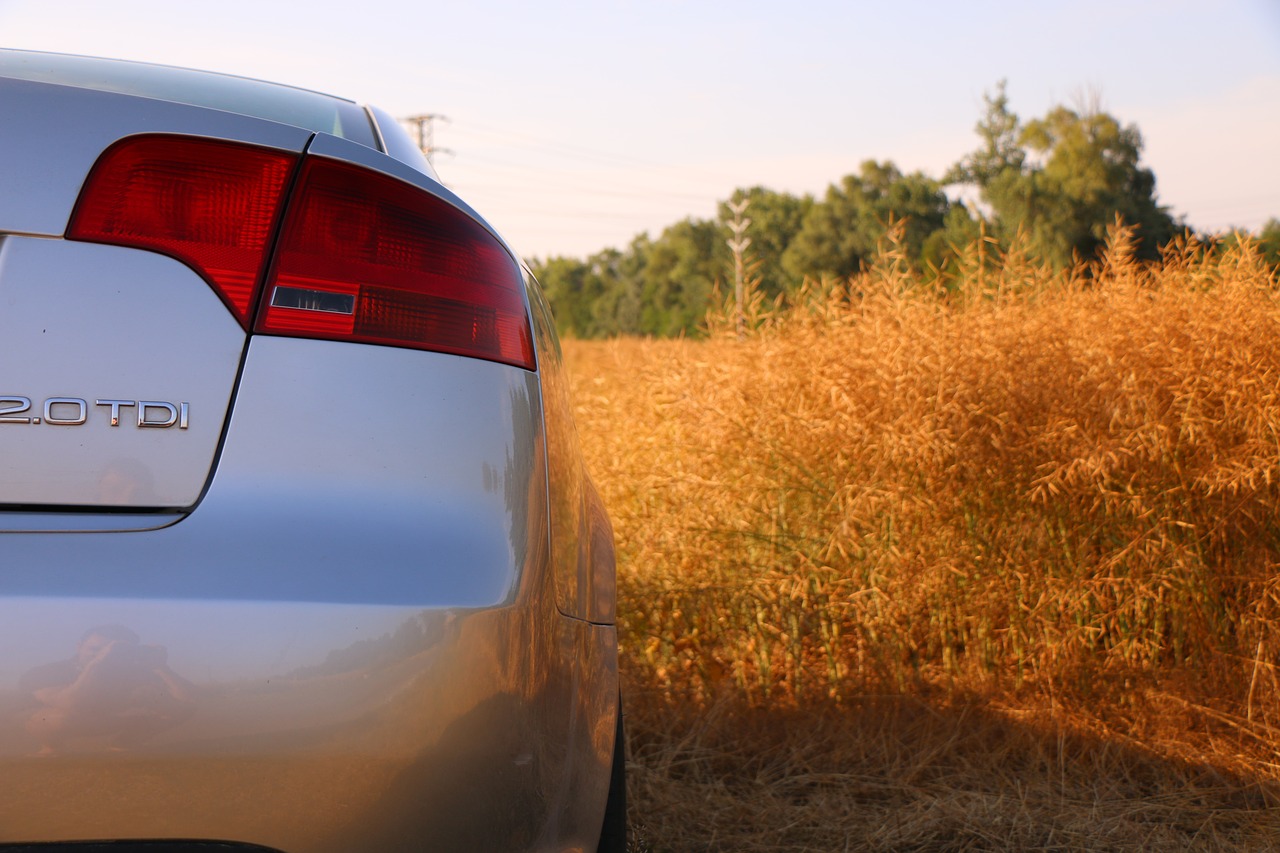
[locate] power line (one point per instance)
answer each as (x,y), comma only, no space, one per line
(581,189)
(564,148)
(579,153)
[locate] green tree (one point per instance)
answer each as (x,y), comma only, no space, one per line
(776,219)
(1091,174)
(840,233)
(1064,180)
(617,310)
(1266,241)
(1001,155)
(1269,241)
(681,270)
(572,288)
(654,287)
(941,249)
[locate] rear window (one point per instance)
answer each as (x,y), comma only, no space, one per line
(271,101)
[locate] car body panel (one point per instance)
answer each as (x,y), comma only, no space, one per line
(274,102)
(312,474)
(395,140)
(48,154)
(581,535)
(365,606)
(421,654)
(319,727)
(120,332)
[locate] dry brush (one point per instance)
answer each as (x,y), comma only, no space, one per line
(1050,496)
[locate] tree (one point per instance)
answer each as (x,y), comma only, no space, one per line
(776,218)
(617,310)
(572,288)
(1266,241)
(1064,180)
(654,287)
(1090,175)
(681,270)
(1001,155)
(839,234)
(942,249)
(1269,241)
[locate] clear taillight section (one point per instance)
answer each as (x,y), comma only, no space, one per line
(365,257)
(210,204)
(361,256)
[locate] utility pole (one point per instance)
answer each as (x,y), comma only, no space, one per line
(425,125)
(738,243)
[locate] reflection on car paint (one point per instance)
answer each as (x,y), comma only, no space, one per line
(114,690)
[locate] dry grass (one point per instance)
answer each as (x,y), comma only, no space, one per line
(988,570)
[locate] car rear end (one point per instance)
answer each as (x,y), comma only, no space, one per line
(295,547)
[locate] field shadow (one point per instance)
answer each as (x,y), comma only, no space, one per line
(913,773)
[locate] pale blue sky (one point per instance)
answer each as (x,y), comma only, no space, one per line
(576,125)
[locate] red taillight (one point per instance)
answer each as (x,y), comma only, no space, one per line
(365,257)
(361,256)
(210,204)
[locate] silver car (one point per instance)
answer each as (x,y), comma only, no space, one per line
(296,547)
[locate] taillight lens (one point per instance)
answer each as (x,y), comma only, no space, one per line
(208,203)
(361,256)
(365,257)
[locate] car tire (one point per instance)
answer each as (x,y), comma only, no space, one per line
(613,835)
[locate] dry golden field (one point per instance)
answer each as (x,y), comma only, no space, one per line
(984,569)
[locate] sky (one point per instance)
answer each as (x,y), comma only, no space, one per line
(575,126)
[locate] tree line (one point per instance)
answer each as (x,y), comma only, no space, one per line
(1055,182)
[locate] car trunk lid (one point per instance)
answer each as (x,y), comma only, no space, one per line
(119,357)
